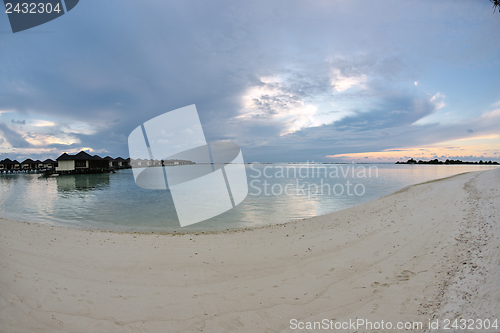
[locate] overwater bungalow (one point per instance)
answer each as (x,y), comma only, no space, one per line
(169,163)
(81,163)
(16,165)
(118,162)
(39,164)
(97,157)
(29,164)
(110,160)
(9,165)
(136,163)
(177,162)
(142,163)
(78,163)
(49,164)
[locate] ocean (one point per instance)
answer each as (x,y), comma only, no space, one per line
(278,193)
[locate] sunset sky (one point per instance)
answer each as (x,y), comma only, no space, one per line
(328,80)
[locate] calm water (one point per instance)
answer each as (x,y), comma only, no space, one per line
(114,202)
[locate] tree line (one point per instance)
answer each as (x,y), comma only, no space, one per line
(436,161)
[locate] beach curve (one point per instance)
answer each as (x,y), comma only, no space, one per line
(397,258)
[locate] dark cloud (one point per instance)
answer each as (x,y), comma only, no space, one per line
(15,139)
(398,111)
(128,62)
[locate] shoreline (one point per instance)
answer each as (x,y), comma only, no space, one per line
(209,232)
(387,259)
(150,230)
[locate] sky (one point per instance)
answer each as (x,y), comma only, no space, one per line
(319,80)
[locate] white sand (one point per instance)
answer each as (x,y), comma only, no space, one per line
(399,258)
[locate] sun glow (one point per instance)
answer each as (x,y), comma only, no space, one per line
(272,101)
(487,147)
(341,83)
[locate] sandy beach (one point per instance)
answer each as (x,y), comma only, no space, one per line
(427,252)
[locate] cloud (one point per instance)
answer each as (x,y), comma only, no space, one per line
(282,79)
(341,83)
(491,115)
(15,139)
(394,112)
(278,101)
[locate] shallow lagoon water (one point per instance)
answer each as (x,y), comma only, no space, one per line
(278,193)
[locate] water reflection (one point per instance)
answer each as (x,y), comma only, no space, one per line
(114,200)
(66,183)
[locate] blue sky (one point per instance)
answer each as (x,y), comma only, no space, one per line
(286,80)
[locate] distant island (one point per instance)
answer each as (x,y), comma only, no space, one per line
(436,161)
